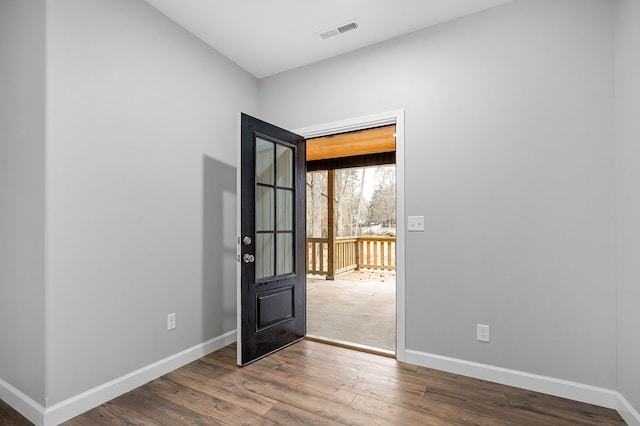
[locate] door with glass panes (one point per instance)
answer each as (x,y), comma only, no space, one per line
(271,255)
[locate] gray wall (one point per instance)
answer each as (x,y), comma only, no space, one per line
(22,197)
(509,127)
(628,196)
(135,106)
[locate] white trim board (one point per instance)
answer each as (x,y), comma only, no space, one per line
(352,124)
(627,412)
(85,401)
(22,403)
(375,120)
(534,382)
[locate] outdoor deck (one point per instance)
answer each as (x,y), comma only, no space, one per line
(357,307)
(351,290)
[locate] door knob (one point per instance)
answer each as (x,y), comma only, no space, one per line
(246,240)
(248,258)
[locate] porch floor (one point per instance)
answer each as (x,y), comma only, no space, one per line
(357,307)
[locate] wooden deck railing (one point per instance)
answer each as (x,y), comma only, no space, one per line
(377,253)
(346,253)
(350,253)
(317,256)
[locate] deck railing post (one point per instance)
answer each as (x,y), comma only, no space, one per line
(331,201)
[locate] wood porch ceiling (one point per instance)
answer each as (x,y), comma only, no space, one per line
(361,142)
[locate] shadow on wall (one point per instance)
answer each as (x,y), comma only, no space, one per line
(218,248)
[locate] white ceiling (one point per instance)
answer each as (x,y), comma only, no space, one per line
(266,37)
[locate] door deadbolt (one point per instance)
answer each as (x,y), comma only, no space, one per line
(246,240)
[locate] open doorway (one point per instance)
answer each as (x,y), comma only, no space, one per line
(351,240)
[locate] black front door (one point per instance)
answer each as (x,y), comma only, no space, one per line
(272,293)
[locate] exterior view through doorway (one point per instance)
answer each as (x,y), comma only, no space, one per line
(366,122)
(351,232)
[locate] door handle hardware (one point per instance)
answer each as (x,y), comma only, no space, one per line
(246,240)
(248,258)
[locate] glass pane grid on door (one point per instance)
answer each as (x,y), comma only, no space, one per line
(274,209)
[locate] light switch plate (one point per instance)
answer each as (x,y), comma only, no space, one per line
(416,223)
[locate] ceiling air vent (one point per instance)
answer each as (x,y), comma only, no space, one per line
(332,32)
(348,27)
(326,34)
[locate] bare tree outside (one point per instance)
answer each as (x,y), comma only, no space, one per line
(317,209)
(382,205)
(365,202)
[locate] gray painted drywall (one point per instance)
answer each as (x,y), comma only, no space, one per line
(22,196)
(509,128)
(134,105)
(627,67)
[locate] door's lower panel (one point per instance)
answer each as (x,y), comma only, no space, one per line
(275,307)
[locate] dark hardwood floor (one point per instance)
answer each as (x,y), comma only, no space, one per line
(313,383)
(10,417)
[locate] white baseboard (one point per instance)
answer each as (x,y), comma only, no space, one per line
(534,382)
(85,401)
(22,403)
(627,412)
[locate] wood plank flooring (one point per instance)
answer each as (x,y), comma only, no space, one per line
(311,383)
(10,417)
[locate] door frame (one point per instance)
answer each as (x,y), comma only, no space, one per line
(359,123)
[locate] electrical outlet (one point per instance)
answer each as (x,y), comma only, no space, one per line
(171,321)
(482,333)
